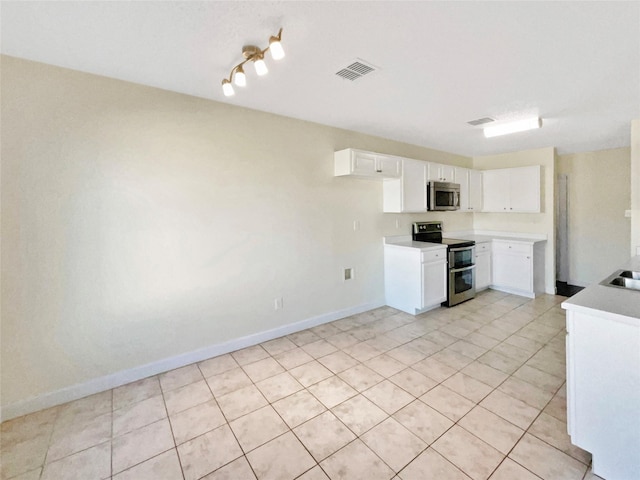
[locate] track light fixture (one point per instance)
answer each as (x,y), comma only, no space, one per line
(251,53)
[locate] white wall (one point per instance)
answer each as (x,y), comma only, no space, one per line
(598,195)
(539,223)
(139,224)
(635,187)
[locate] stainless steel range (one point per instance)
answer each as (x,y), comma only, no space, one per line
(461,283)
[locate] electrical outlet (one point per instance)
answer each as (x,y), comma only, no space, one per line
(397,223)
(356,225)
(348,274)
(278,304)
(627,213)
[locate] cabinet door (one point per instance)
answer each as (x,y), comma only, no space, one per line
(414,186)
(434,283)
(483,270)
(462,177)
(495,190)
(433,172)
(364,163)
(475,190)
(440,173)
(513,271)
(524,189)
(447,173)
(388,166)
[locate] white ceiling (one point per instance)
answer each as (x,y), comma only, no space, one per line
(441,64)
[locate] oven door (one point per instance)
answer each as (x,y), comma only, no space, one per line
(461,257)
(462,285)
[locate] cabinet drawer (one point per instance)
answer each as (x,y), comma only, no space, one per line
(509,247)
(483,247)
(434,255)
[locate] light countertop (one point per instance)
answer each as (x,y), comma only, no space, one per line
(403,243)
(484,238)
(616,302)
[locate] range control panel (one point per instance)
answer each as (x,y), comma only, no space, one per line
(427,227)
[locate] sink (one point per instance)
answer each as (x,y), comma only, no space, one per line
(630,274)
(627,279)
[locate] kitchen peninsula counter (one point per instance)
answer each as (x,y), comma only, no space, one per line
(603,376)
(614,303)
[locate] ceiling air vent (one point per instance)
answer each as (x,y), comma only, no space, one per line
(481,121)
(356,70)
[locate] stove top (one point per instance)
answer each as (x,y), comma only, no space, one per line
(457,243)
(432,232)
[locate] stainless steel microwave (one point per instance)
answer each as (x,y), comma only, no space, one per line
(443,196)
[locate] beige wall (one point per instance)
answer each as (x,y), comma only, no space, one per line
(635,187)
(139,224)
(598,194)
(539,223)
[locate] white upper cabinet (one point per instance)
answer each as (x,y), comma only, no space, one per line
(511,190)
(408,193)
(440,173)
(475,191)
(358,163)
(462,178)
(470,182)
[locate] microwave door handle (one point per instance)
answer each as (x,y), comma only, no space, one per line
(456,199)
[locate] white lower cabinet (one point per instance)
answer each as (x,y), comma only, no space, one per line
(603,390)
(517,267)
(415,279)
(483,265)
(434,283)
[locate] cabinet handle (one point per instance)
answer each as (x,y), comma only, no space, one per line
(378,171)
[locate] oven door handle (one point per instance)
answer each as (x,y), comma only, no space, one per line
(460,249)
(456,270)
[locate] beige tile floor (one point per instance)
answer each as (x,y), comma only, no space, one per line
(475,391)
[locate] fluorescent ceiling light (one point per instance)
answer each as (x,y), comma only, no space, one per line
(513,127)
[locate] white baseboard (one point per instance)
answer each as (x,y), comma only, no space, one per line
(100,384)
(512,291)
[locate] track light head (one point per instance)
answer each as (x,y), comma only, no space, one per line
(240,79)
(275,47)
(227,88)
(261,67)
